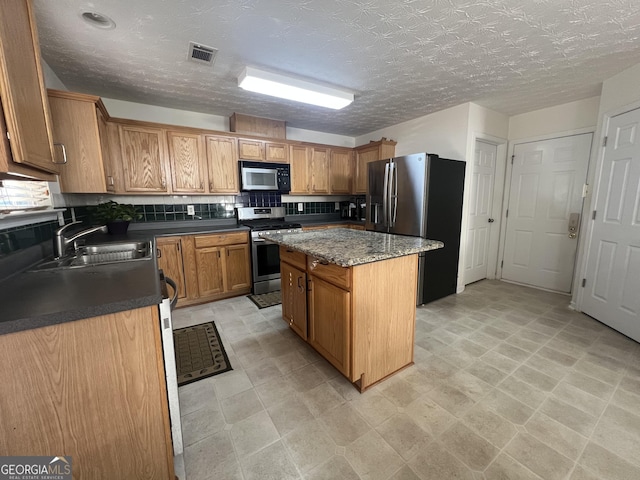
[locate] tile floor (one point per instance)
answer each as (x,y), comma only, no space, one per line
(507,384)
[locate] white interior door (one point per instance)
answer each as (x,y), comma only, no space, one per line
(612,290)
(546,188)
(480,221)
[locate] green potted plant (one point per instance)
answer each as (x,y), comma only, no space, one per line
(115,215)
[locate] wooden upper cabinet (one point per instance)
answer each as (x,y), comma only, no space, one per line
(263,151)
(370,153)
(341,170)
(113,161)
(276,152)
(24,98)
(299,160)
(79,125)
(319,170)
(187,162)
(251,149)
(222,161)
(143,159)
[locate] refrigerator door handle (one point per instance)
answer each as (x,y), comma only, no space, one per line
(393,215)
(385,198)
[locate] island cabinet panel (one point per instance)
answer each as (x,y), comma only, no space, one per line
(330,323)
(143,159)
(294,298)
(170,261)
(187,162)
(384,299)
(24,99)
(93,389)
(222,160)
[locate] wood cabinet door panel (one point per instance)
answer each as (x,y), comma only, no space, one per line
(210,271)
(294,298)
(319,170)
(276,152)
(330,323)
(251,149)
(143,159)
(222,160)
(341,171)
(221,239)
(76,126)
(105,148)
(170,261)
(237,266)
(187,161)
(364,157)
(24,98)
(299,160)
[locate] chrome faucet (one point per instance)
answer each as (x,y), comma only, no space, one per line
(60,242)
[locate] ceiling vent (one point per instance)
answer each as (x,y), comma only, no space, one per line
(201,53)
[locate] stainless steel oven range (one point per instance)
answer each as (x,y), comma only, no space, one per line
(265,256)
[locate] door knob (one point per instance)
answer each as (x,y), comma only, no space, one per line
(491,220)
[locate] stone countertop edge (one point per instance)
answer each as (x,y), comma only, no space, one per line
(349,248)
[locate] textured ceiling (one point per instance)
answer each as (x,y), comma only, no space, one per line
(402,58)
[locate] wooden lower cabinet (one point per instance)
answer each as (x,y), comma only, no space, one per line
(170,261)
(330,322)
(361,319)
(206,267)
(294,298)
(93,389)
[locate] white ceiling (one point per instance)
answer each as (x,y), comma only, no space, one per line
(402,58)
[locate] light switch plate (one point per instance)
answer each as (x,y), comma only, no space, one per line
(191,210)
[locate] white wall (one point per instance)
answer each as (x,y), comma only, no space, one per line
(51,80)
(558,119)
(444,133)
(184,118)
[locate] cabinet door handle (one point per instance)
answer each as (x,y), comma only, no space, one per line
(178,246)
(218,252)
(300,284)
(64,154)
(309,285)
(211,187)
(158,253)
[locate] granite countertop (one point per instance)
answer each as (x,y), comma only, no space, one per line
(347,248)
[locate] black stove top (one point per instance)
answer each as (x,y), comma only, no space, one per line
(269,224)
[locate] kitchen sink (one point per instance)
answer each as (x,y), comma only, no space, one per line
(92,255)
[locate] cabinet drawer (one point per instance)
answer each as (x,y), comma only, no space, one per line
(339,276)
(220,239)
(297,259)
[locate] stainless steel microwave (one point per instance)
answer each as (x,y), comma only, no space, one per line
(265,177)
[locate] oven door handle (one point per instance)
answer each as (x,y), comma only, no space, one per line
(258,240)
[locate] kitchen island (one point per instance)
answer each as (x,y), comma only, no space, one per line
(352,296)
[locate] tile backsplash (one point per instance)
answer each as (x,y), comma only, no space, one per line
(18,238)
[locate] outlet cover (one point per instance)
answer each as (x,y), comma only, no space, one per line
(300,207)
(191,210)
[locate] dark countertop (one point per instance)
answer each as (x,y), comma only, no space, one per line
(49,297)
(348,248)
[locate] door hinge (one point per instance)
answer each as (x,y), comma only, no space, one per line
(512,158)
(604,141)
(8,135)
(593,215)
(584,282)
(507,215)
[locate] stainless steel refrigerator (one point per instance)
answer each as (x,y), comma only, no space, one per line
(421,195)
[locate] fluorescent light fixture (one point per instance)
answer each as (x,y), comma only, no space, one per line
(295,89)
